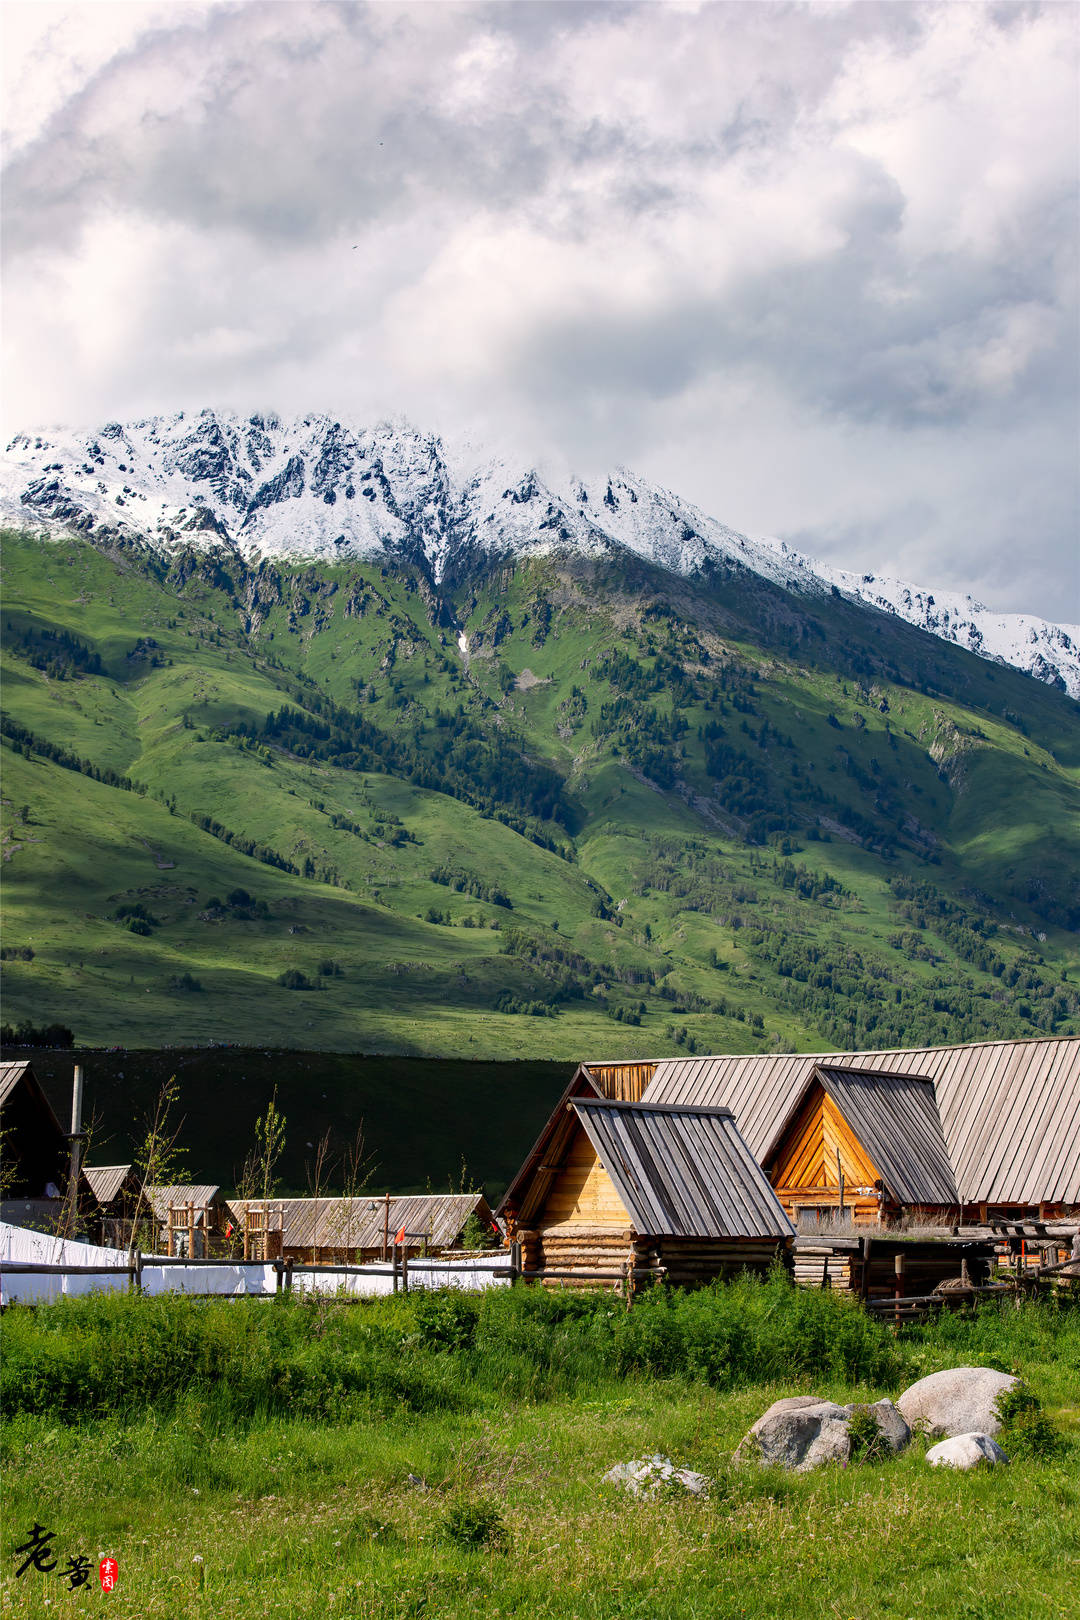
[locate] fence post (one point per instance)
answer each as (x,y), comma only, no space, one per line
(515,1261)
(279,1277)
(405,1270)
(394,1264)
(898,1291)
(288,1276)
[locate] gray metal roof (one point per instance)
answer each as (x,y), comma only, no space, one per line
(895,1118)
(682,1172)
(359,1223)
(1009,1110)
(178,1196)
(106,1180)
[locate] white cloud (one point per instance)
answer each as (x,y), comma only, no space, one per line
(813,265)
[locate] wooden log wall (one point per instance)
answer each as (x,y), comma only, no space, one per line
(692,1262)
(581,1250)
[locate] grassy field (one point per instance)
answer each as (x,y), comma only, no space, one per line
(639,804)
(254,1459)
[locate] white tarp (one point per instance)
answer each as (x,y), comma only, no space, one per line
(470,1274)
(19,1243)
(249,1278)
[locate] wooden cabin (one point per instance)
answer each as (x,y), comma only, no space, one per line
(1009,1114)
(35,1157)
(616,1189)
(353,1231)
(864,1145)
(35,1148)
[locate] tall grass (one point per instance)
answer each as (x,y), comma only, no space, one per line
(422,1352)
(339,1360)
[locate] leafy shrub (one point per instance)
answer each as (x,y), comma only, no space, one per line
(868,1444)
(185,982)
(1026,1431)
(478,1523)
(293,979)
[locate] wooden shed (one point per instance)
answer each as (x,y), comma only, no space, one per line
(863,1144)
(115,1189)
(339,1231)
(617,1188)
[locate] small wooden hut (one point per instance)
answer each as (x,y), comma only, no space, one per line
(115,1189)
(618,1188)
(864,1144)
(189,1219)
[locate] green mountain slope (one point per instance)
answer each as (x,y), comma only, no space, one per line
(637,814)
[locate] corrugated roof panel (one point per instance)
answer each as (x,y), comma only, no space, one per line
(360,1223)
(10,1075)
(1009,1110)
(895,1118)
(682,1172)
(106,1180)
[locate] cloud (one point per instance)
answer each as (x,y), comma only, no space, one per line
(814,266)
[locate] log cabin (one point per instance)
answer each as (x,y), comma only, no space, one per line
(616,1189)
(1009,1113)
(865,1145)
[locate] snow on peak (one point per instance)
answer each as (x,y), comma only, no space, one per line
(321,488)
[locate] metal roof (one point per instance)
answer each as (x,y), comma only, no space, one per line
(359,1223)
(895,1118)
(179,1195)
(106,1180)
(1009,1110)
(682,1172)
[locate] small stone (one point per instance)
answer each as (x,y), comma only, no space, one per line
(966,1451)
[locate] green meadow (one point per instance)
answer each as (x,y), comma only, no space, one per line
(436,1454)
(278,807)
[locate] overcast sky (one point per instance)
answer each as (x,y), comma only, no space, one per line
(813,267)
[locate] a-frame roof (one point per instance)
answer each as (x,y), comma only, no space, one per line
(682,1172)
(895,1119)
(529,1187)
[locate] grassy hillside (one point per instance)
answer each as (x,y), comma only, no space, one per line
(279,807)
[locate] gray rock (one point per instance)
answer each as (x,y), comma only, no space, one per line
(797,1436)
(894,1430)
(646,1476)
(804,1432)
(959,1401)
(966,1451)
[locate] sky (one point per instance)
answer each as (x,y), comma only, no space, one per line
(812,267)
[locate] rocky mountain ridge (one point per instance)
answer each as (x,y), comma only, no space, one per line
(319,489)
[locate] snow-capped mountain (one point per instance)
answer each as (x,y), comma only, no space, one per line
(321,489)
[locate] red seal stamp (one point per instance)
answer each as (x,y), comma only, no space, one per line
(108,1570)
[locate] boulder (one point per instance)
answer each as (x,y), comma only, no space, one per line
(799,1437)
(646,1476)
(803,1432)
(894,1430)
(966,1451)
(959,1401)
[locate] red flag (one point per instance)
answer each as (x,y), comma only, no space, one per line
(401,1236)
